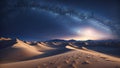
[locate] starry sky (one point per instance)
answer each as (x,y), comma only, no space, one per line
(60,19)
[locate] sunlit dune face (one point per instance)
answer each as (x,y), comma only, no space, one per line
(90,34)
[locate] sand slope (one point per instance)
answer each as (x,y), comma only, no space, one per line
(18,51)
(68,56)
(42,47)
(77,58)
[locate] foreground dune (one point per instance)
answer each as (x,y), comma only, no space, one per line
(77,58)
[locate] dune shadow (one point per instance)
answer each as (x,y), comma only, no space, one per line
(7,43)
(50,53)
(113,51)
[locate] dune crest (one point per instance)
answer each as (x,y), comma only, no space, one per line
(2,38)
(42,47)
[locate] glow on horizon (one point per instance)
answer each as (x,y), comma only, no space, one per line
(90,34)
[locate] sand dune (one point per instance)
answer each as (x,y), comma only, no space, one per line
(85,50)
(55,44)
(2,38)
(18,51)
(42,47)
(52,55)
(76,58)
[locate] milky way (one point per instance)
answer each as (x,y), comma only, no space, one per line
(43,20)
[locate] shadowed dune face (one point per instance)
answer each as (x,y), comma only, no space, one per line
(43,47)
(56,44)
(6,43)
(40,46)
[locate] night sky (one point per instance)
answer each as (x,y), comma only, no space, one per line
(60,19)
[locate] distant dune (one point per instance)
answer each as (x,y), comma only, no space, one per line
(42,47)
(2,38)
(53,55)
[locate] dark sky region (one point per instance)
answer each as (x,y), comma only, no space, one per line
(60,19)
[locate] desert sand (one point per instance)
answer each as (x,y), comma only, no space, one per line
(18,51)
(23,55)
(42,47)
